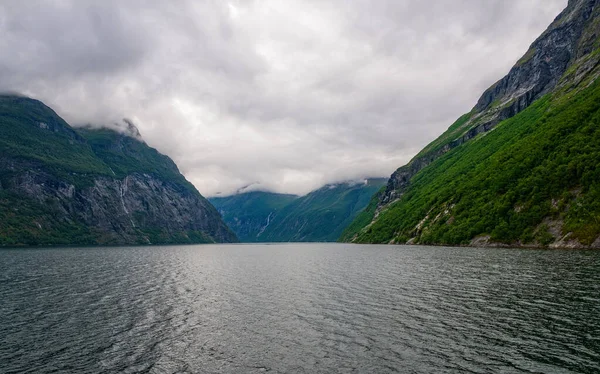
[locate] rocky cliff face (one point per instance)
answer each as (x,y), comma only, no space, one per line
(138,209)
(63,186)
(568,43)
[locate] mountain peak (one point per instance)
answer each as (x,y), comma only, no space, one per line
(132,129)
(563,57)
(126,128)
(473,185)
(539,70)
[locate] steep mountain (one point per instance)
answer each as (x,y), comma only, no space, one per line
(319,216)
(534,180)
(249,214)
(63,186)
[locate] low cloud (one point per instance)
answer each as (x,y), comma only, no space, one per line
(281,95)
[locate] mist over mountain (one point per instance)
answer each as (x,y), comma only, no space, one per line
(93,185)
(290,94)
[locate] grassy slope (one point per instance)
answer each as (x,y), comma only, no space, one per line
(363,218)
(125,155)
(449,135)
(544,162)
(247,213)
(321,215)
(75,155)
(59,148)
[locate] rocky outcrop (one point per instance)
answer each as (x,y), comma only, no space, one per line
(540,69)
(568,43)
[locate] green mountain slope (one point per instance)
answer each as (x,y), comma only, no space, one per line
(523,176)
(61,186)
(247,214)
(319,216)
(32,131)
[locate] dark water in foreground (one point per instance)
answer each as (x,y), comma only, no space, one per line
(314,308)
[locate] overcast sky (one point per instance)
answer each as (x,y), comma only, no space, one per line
(284,95)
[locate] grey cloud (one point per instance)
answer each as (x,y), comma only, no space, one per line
(280,95)
(43,40)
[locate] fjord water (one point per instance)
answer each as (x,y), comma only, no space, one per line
(299,308)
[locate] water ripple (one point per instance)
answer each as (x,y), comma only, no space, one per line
(311,308)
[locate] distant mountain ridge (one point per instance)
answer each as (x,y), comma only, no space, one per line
(524,182)
(66,186)
(319,216)
(248,214)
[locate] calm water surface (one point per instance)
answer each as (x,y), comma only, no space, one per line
(313,308)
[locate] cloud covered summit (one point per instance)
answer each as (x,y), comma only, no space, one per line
(289,94)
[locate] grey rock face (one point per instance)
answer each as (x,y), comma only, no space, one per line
(540,69)
(137,209)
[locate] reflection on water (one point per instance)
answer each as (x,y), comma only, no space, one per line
(300,308)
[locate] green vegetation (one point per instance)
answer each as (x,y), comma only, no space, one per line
(25,222)
(455,131)
(322,215)
(125,155)
(32,132)
(319,216)
(363,218)
(543,164)
(247,213)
